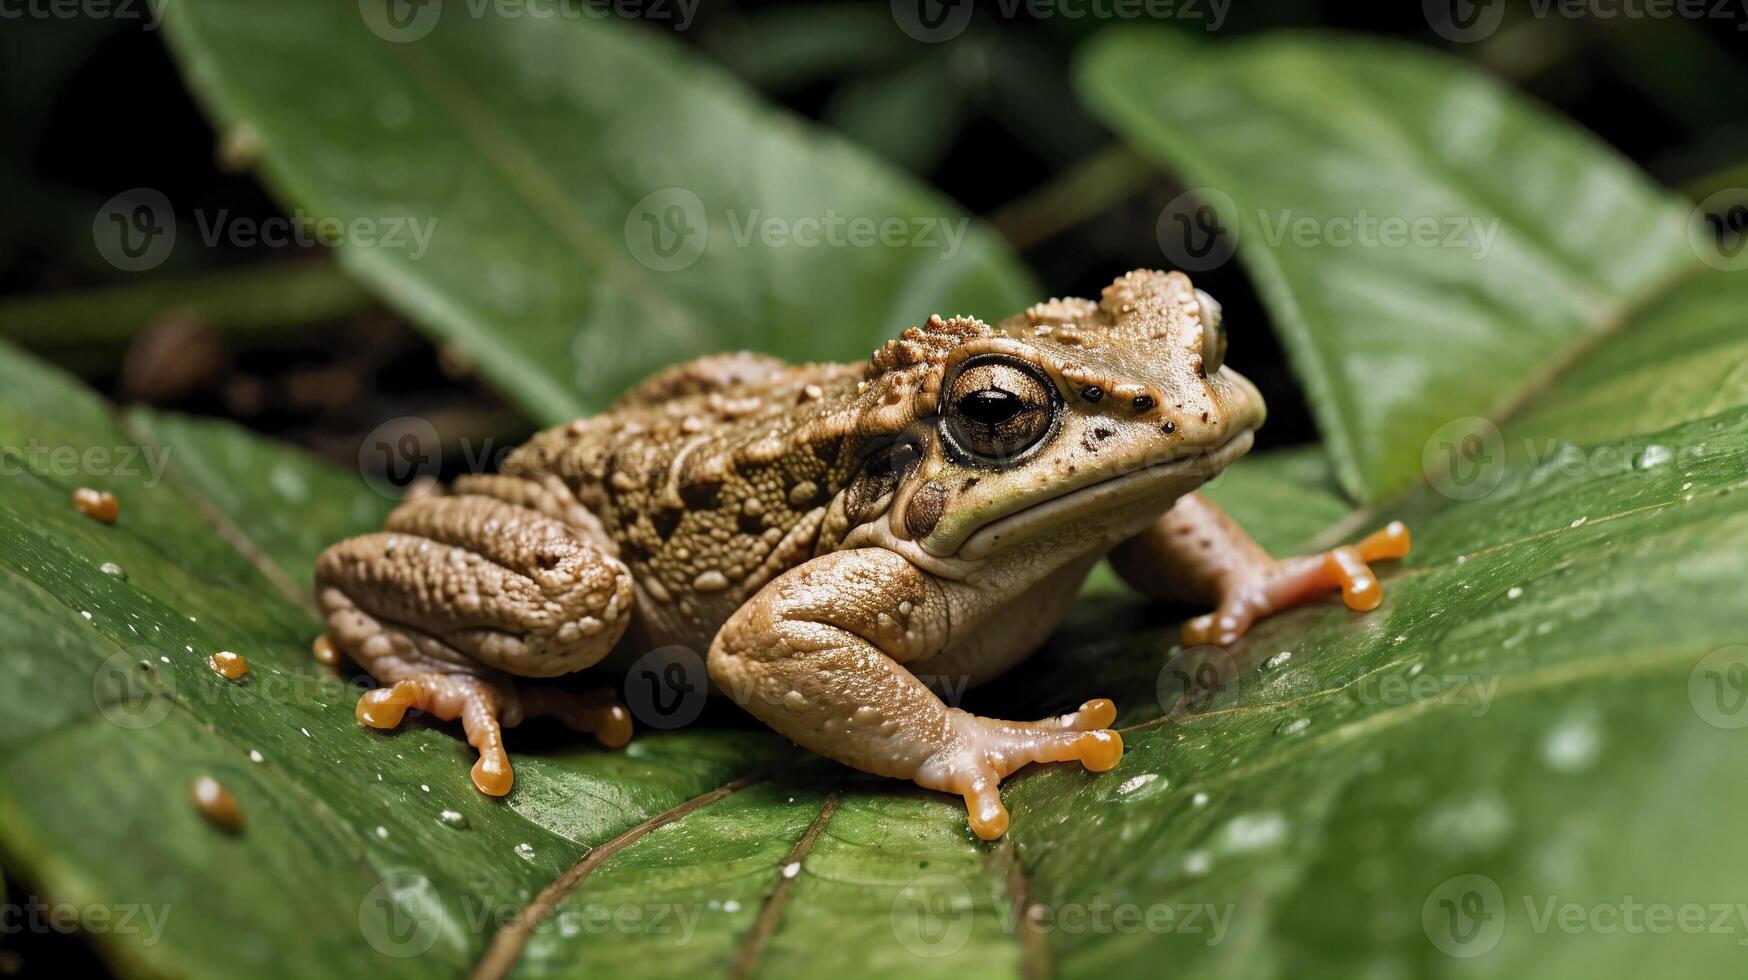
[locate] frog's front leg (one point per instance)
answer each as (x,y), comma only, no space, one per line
(460,595)
(1196,553)
(818,655)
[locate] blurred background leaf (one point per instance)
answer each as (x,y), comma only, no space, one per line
(598,203)
(1530,239)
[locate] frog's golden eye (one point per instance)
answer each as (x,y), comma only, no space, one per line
(1213,333)
(999,408)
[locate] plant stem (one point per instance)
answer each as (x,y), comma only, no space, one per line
(256,298)
(1082,191)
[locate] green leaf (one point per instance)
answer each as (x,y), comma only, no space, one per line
(595,202)
(1540,240)
(109,713)
(1546,700)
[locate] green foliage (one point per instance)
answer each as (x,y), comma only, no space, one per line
(595,204)
(1541,715)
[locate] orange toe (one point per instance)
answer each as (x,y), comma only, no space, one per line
(492,774)
(1359,587)
(1100,750)
(985,812)
(1388,542)
(1097,713)
(385,707)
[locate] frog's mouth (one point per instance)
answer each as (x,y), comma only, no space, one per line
(1108,495)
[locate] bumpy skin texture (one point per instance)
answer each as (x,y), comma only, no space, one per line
(831,532)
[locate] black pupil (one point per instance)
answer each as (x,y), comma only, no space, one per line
(991,406)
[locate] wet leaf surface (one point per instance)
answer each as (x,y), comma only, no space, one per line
(345,863)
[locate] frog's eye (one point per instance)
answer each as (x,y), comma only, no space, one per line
(998,408)
(1213,333)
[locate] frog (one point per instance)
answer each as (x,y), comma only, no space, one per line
(838,538)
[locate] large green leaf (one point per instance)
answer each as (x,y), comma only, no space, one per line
(1539,703)
(1542,715)
(1320,155)
(598,202)
(108,712)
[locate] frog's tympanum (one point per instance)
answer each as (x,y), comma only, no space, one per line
(828,532)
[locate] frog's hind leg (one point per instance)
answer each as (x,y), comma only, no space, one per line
(1197,553)
(597,712)
(459,595)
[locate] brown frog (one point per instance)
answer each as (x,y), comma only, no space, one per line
(829,532)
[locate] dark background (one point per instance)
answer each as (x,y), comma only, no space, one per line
(90,107)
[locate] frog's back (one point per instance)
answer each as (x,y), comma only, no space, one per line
(709,479)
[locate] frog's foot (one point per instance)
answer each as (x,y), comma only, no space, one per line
(597,712)
(477,702)
(984,751)
(1271,587)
